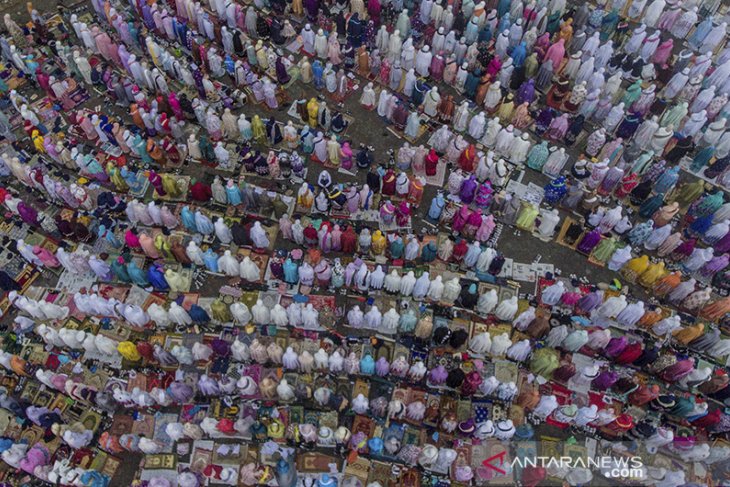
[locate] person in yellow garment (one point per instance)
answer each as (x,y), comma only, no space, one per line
(313,112)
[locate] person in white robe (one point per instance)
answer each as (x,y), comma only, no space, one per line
(431,102)
(520,148)
(383,102)
(461,116)
(423,61)
(259,237)
(395,44)
(477,125)
(367,99)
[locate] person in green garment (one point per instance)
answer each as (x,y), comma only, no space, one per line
(526,220)
(544,362)
(219,311)
(632,93)
(689,192)
(605,249)
(120,270)
(608,24)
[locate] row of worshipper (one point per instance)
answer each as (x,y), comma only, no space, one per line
(632,43)
(437,336)
(693,259)
(291,360)
(37,460)
(625,255)
(522,151)
(527,320)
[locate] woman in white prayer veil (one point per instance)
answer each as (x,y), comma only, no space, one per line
(440,139)
(194,253)
(392,281)
(657,237)
(383,101)
(294,314)
(412,249)
(240,313)
(178,315)
(367,99)
(420,289)
(377,277)
(477,125)
(223,232)
(407,283)
(355,317)
(261,315)
(159,315)
(228,264)
(676,83)
(373,318)
(259,237)
(26,251)
(248,270)
(451,291)
(436,288)
(298,231)
(135,315)
(714,37)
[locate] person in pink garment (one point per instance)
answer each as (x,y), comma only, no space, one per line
(148,246)
(45,256)
(556,53)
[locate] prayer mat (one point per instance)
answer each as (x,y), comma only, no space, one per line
(160,461)
(72,283)
(141,186)
(438,178)
(394,227)
(350,88)
(565,237)
(230,454)
(150,472)
(15,83)
(79,96)
(349,120)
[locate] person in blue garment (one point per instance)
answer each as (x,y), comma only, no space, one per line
(367,365)
(702,158)
(198,314)
(210,259)
(704,28)
(130,177)
(503,7)
(396,247)
(651,205)
(233,193)
(140,147)
(188,219)
(504,23)
(109,236)
(437,205)
(519,54)
(156,276)
(203,223)
(291,271)
(429,252)
(137,275)
(667,180)
(120,270)
(317,73)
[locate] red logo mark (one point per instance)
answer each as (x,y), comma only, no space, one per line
(494,465)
